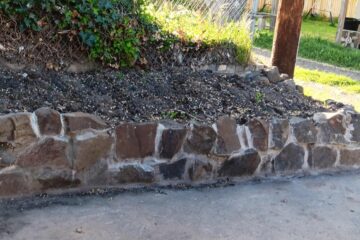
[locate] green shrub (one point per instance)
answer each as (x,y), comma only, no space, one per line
(192,26)
(111,29)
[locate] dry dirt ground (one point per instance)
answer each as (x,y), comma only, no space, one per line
(322,207)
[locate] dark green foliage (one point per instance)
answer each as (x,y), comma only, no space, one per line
(110,29)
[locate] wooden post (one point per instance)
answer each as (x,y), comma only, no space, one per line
(274,11)
(342,16)
(287,35)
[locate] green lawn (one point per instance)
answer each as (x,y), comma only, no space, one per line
(344,83)
(317,43)
(322,86)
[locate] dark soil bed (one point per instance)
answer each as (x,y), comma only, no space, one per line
(133,95)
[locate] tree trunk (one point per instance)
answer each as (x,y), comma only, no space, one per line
(287,35)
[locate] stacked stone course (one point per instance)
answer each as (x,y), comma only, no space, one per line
(46,150)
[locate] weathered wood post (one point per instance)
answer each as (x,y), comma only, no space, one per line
(342,16)
(287,35)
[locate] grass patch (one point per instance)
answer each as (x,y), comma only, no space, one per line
(345,83)
(324,92)
(192,26)
(317,44)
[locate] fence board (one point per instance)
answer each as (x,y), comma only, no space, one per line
(322,7)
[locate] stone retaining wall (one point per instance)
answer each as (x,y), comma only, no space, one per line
(47,150)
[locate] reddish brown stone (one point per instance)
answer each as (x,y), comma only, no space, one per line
(135,140)
(259,130)
(14,181)
(243,164)
(81,121)
(16,128)
(49,121)
(350,157)
(227,139)
(171,142)
(90,148)
(200,140)
(47,152)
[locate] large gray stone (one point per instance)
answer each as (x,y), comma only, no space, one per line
(243,164)
(49,121)
(350,157)
(322,157)
(279,131)
(259,130)
(272,74)
(135,140)
(332,127)
(304,130)
(227,139)
(291,158)
(200,140)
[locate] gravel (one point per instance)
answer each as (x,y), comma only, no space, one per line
(138,95)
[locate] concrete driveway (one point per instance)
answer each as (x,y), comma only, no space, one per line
(321,207)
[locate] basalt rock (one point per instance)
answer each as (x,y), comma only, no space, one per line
(322,157)
(227,140)
(290,158)
(355,121)
(200,140)
(171,141)
(134,173)
(243,164)
(304,130)
(279,131)
(174,170)
(332,128)
(350,157)
(259,130)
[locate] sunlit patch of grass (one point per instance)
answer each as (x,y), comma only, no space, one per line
(192,26)
(345,83)
(328,93)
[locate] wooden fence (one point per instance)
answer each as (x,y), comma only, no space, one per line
(323,7)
